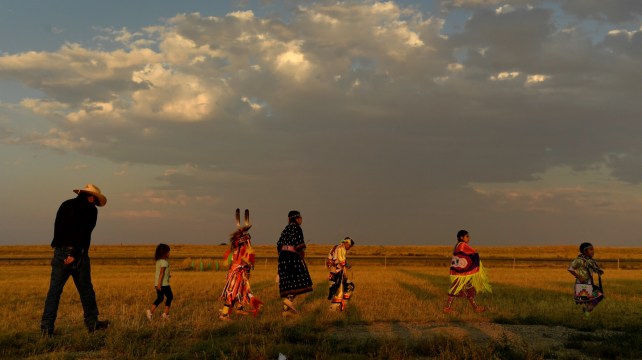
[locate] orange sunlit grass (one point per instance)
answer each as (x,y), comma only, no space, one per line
(394,310)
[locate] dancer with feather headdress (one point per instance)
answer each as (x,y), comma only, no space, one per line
(240,259)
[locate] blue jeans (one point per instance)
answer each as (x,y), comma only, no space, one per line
(82,279)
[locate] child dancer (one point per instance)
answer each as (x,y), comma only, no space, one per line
(240,258)
(583,267)
(161,282)
(467,274)
(340,287)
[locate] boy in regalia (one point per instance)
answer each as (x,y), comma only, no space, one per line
(340,287)
(582,268)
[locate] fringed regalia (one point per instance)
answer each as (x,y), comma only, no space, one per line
(467,274)
(340,287)
(294,278)
(240,258)
(587,293)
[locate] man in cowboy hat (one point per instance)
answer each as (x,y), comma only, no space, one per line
(75,220)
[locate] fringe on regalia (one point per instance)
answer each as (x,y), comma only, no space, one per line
(467,271)
(477,280)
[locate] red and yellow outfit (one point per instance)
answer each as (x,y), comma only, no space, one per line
(237,290)
(467,275)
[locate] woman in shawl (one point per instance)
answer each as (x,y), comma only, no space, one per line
(467,275)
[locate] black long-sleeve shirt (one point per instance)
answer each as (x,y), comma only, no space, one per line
(75,220)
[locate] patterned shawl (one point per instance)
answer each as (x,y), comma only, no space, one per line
(466,270)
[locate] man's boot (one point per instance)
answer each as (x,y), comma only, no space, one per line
(97,325)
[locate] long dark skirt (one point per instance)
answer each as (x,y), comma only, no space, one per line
(294,278)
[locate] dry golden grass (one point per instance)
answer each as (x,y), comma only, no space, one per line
(395,313)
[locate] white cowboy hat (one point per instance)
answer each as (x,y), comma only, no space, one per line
(93,190)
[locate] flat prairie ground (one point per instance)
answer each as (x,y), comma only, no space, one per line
(395,313)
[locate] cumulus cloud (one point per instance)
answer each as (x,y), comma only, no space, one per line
(625,42)
(536,79)
(171,96)
(370,60)
(361,92)
(505,75)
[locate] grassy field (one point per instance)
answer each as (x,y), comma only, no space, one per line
(395,314)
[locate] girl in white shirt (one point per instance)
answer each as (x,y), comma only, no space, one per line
(161,282)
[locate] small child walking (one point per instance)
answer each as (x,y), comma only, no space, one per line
(582,268)
(467,275)
(161,282)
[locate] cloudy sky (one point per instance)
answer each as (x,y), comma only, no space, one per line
(391,122)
